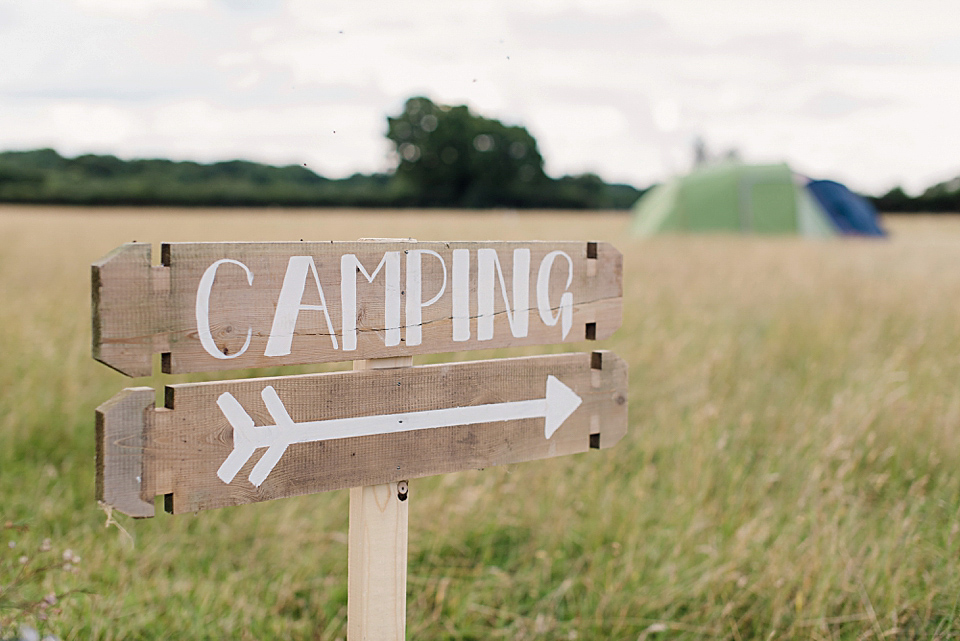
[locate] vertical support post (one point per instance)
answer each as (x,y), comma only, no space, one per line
(377,551)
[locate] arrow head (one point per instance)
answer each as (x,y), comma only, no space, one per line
(561,403)
(244,444)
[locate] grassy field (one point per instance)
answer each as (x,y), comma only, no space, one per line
(792,468)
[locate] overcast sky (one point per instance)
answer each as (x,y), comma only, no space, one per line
(867,92)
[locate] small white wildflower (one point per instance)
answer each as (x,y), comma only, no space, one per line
(23,560)
(46,545)
(12,544)
(70,557)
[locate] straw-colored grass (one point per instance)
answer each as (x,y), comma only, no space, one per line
(792,468)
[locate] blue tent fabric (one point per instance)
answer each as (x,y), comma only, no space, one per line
(848,211)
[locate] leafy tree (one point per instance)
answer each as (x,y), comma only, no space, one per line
(895,200)
(448,156)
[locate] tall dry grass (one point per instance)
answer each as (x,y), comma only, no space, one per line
(791,469)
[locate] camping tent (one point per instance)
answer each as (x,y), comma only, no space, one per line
(850,213)
(761,199)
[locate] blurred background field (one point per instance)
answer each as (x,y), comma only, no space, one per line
(792,468)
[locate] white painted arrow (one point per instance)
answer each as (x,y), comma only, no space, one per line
(559,403)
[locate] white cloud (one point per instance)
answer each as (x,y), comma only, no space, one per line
(94,126)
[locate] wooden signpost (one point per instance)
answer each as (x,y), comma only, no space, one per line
(216,306)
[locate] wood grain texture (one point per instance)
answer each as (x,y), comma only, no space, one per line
(122,298)
(121,425)
(377,549)
(377,574)
(184,444)
(139,309)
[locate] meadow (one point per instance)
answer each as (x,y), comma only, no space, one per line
(791,471)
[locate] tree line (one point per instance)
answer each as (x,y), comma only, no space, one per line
(940,198)
(446,156)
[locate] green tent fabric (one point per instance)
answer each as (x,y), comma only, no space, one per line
(732,198)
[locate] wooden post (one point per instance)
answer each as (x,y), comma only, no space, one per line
(377,551)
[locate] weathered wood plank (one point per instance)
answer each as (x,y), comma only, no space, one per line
(186,446)
(220,306)
(121,424)
(123,304)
